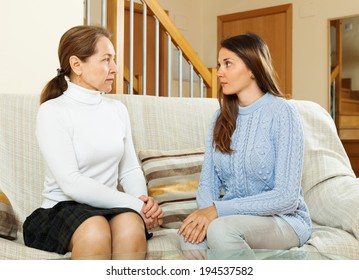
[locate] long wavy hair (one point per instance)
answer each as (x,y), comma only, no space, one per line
(78,41)
(254,52)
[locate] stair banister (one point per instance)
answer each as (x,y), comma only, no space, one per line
(115,22)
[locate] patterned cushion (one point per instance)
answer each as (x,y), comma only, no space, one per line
(8,226)
(172,178)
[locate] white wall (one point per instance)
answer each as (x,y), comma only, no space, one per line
(30,32)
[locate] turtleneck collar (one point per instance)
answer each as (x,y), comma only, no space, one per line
(83,95)
(255,105)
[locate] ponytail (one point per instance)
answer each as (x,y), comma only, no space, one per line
(54,88)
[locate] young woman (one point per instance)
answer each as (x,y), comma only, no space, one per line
(254,157)
(87,146)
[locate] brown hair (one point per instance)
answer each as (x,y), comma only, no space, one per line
(254,52)
(78,41)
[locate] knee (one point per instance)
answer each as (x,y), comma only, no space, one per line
(92,236)
(97,234)
(215,233)
(221,233)
(128,226)
(225,233)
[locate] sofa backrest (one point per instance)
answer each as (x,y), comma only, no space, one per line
(157,123)
(168,123)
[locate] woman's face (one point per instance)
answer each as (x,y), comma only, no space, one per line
(99,70)
(234,76)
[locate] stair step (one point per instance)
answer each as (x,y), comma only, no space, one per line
(354,94)
(345,93)
(348,134)
(349,106)
(349,121)
(347,83)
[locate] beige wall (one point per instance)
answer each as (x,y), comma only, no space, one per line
(30,32)
(310,36)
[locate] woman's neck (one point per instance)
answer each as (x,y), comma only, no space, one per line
(246,98)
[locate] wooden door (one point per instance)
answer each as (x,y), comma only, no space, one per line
(274,25)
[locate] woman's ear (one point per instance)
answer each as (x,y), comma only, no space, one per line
(76,65)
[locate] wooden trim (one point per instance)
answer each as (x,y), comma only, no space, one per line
(334,73)
(289,53)
(212,91)
(115,24)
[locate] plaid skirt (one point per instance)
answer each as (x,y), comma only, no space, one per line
(51,229)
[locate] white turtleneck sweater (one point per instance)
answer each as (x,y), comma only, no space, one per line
(87,145)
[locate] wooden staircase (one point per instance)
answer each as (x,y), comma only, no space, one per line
(346,101)
(118,21)
(348,122)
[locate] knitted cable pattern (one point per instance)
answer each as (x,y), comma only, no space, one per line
(263,175)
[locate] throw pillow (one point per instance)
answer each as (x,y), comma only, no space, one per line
(172,178)
(8,225)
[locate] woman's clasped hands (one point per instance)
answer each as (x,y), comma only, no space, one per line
(151,212)
(194,227)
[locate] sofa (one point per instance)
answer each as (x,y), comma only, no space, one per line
(171,132)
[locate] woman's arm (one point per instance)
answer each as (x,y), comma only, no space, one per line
(132,178)
(194,227)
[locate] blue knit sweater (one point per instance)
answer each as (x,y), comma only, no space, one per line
(263,175)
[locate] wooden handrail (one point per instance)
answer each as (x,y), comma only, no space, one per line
(334,73)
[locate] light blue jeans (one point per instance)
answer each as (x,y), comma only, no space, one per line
(244,232)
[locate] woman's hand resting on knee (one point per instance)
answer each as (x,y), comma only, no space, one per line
(194,227)
(151,212)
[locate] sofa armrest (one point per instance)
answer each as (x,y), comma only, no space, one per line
(335,203)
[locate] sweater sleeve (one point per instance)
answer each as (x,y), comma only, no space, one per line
(130,173)
(54,133)
(287,136)
(210,185)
